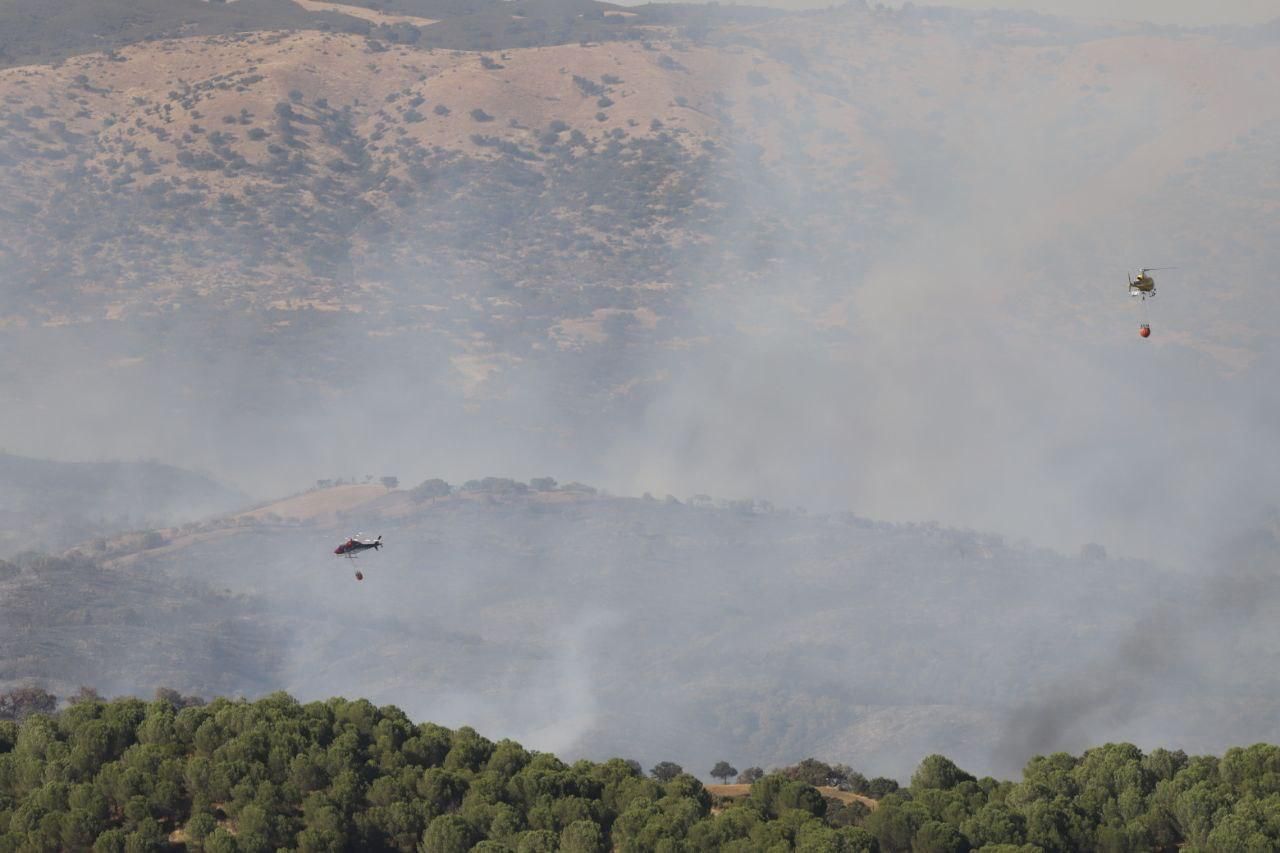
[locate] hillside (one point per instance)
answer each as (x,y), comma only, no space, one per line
(33,31)
(49,506)
(598,626)
(263,251)
(72,621)
(865,261)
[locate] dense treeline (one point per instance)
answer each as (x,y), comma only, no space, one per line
(276,774)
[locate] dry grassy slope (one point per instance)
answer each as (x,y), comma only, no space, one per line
(931,79)
(833,100)
(848,63)
(373,16)
(123,128)
(148,99)
(851,63)
(313,505)
(737,790)
(125,107)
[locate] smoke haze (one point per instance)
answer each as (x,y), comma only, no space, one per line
(896,289)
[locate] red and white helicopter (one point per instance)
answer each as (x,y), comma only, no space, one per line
(354,546)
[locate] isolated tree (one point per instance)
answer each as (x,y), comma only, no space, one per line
(665,771)
(723,770)
(812,771)
(750,775)
(391,482)
(881,786)
(429,489)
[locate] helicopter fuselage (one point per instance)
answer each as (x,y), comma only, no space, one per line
(1143,285)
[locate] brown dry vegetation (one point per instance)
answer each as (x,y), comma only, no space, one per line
(373,16)
(317,504)
(739,790)
(124,119)
(311,172)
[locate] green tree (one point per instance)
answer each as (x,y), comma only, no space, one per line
(802,796)
(813,772)
(856,839)
(312,840)
(442,790)
(995,823)
(813,836)
(723,770)
(895,823)
(200,826)
(934,836)
(1197,809)
(665,771)
(939,772)
(447,834)
(429,489)
(221,841)
(110,841)
(1254,770)
(880,787)
(582,836)
(537,841)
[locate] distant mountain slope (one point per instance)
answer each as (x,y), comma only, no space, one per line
(70,622)
(236,229)
(47,505)
(42,31)
(600,625)
(33,31)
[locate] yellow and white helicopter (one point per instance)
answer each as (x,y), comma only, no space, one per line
(1144,286)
